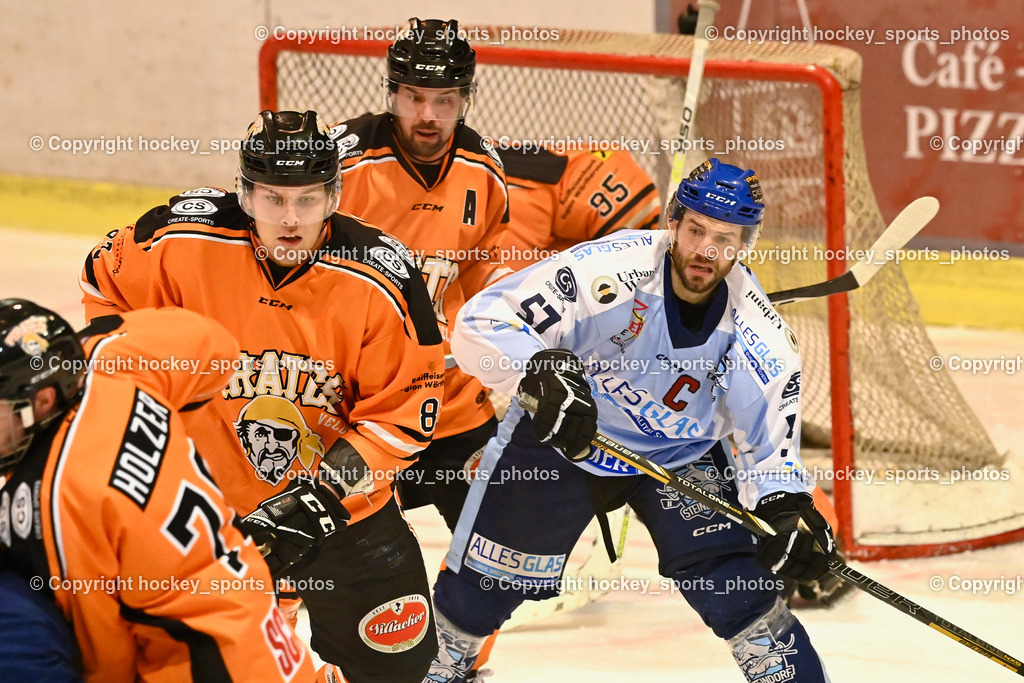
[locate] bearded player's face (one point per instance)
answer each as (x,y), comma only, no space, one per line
(704,252)
(289,221)
(425,119)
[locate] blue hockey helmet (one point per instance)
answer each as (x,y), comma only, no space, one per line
(724,192)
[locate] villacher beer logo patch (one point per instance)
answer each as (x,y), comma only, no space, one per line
(396,626)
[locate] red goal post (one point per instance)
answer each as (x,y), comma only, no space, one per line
(869,396)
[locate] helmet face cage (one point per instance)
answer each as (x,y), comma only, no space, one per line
(290,151)
(433,103)
(430,54)
(283,200)
(724,192)
(15,416)
(38,349)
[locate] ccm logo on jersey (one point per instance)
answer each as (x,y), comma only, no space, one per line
(711,528)
(142,451)
(287,653)
(274,303)
(427,207)
(396,626)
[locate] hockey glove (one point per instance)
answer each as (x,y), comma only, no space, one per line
(566,416)
(791,552)
(291,526)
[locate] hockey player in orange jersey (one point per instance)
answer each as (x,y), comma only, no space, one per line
(341,376)
(419,172)
(112,512)
(559,200)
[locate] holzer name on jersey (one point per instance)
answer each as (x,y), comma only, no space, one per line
(142,451)
(289,375)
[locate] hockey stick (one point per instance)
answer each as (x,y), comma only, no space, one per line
(705,19)
(908,223)
(838,568)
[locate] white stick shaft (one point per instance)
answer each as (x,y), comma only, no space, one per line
(705,19)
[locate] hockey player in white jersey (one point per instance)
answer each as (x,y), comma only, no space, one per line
(662,341)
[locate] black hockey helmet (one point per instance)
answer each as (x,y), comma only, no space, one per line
(288,149)
(38,349)
(431,54)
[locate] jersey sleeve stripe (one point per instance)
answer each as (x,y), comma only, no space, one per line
(197,235)
(613,222)
(487,167)
(58,474)
(93,291)
(373,281)
(206,660)
(390,439)
(414,435)
(651,224)
(383,159)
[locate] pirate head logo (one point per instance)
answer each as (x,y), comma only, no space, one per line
(273,434)
(28,335)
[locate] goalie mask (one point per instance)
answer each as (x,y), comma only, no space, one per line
(436,65)
(38,349)
(724,192)
(288,169)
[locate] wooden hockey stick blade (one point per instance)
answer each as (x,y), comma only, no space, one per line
(910,221)
(836,567)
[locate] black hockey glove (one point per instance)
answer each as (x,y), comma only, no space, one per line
(291,526)
(791,552)
(566,415)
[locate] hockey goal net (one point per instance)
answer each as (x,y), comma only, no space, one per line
(792,113)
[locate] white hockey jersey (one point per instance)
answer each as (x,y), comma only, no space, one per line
(662,390)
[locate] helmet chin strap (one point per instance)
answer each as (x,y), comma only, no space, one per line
(27,415)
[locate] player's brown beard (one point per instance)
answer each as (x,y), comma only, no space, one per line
(422,152)
(679,263)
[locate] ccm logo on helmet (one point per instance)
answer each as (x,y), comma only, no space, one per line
(720,199)
(429,67)
(290,162)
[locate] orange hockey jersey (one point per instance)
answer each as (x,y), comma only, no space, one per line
(559,200)
(115,514)
(451,225)
(344,346)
